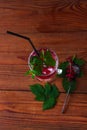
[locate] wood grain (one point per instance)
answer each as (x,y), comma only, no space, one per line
(43,16)
(56,24)
(13,111)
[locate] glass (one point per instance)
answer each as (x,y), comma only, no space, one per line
(49,72)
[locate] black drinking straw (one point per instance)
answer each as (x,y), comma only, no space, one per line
(24,37)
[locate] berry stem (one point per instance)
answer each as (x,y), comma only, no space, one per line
(70,68)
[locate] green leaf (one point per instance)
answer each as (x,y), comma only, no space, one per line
(35,60)
(51,90)
(73,57)
(63,66)
(37,89)
(54,91)
(47,89)
(33,75)
(40,98)
(67,84)
(28,72)
(42,54)
(49,103)
(47,94)
(36,65)
(48,59)
(79,62)
(37,70)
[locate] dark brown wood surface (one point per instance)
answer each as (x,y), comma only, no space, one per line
(57,24)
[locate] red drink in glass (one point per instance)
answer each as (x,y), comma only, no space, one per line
(48,72)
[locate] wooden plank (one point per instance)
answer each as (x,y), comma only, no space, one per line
(12,78)
(43,16)
(14,113)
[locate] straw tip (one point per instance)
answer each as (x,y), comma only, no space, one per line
(7,31)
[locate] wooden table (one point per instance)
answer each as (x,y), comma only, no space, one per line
(57,24)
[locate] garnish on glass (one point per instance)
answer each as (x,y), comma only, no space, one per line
(71,69)
(42,65)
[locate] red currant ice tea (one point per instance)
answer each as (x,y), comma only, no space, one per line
(44,66)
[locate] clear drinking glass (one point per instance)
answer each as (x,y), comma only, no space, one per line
(49,72)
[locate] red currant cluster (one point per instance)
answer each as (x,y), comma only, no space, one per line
(70,71)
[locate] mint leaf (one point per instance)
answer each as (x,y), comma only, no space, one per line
(42,54)
(37,70)
(37,89)
(49,103)
(48,59)
(63,66)
(40,98)
(51,90)
(33,75)
(28,72)
(35,60)
(79,62)
(73,57)
(47,94)
(67,84)
(36,65)
(47,89)
(54,91)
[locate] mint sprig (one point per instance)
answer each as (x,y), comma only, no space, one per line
(78,61)
(48,94)
(37,62)
(48,59)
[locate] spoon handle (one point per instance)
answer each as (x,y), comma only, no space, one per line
(67,95)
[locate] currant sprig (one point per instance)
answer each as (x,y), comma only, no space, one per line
(71,69)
